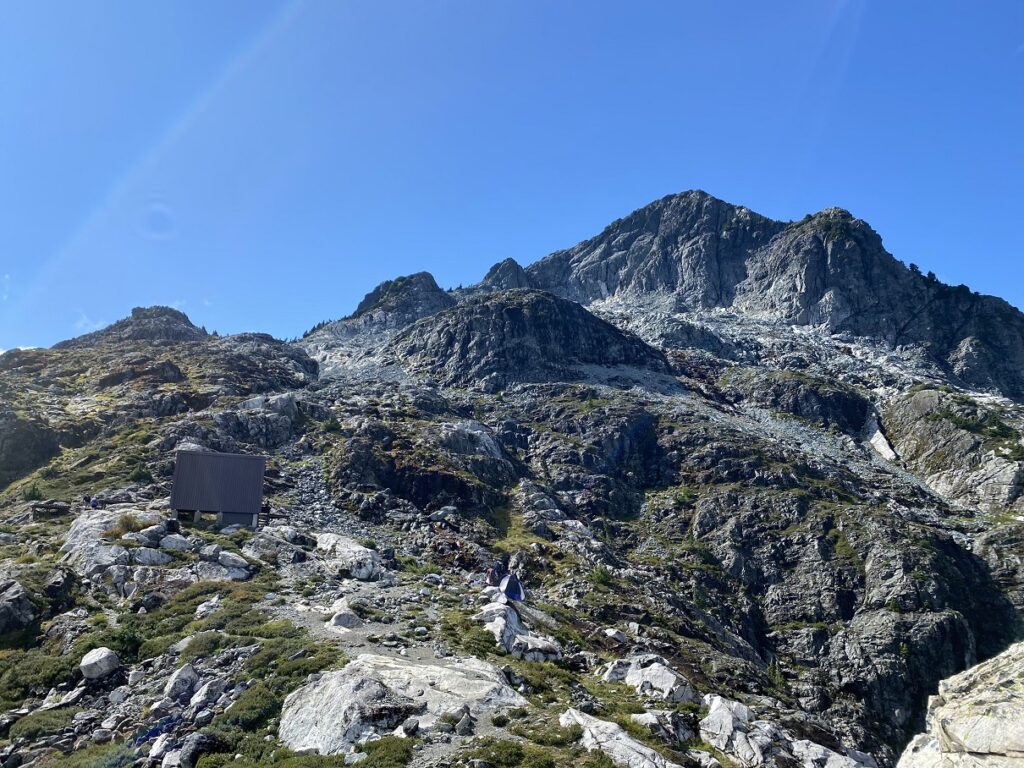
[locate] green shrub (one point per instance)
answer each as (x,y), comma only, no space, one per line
(548,734)
(387,752)
(23,673)
(544,677)
(204,644)
(140,474)
(41,723)
(595,759)
(125,524)
(500,753)
(503,753)
(602,577)
(471,638)
(156,646)
(254,707)
(93,756)
(32,493)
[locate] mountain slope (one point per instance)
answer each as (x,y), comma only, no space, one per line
(758,510)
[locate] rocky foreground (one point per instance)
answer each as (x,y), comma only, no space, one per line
(764,485)
(977,718)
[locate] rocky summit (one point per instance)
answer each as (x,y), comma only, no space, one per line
(761,482)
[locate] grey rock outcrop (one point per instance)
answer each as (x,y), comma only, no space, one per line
(25,443)
(734,729)
(666,725)
(651,676)
(823,403)
(518,336)
(348,558)
(612,739)
(17,610)
(329,715)
(404,300)
(372,695)
(691,244)
(976,719)
(441,686)
(970,452)
(504,276)
(391,306)
(502,620)
(181,683)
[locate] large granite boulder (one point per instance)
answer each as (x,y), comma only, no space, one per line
(16,608)
(98,663)
(976,719)
(612,739)
(502,620)
(651,676)
(373,694)
(346,557)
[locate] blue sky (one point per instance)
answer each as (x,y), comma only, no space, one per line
(263,164)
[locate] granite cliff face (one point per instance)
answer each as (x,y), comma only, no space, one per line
(762,483)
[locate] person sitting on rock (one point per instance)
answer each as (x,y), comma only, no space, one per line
(494,575)
(497,572)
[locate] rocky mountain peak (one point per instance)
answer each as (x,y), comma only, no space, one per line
(506,275)
(828,270)
(391,306)
(157,323)
(417,294)
(692,245)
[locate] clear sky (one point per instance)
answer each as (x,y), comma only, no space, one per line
(262,164)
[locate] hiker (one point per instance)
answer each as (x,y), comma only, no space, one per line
(94,503)
(495,574)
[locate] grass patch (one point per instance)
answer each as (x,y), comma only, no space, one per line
(417,567)
(601,576)
(125,524)
(548,734)
(204,644)
(140,474)
(844,550)
(387,752)
(468,636)
(505,753)
(112,755)
(550,682)
(42,723)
